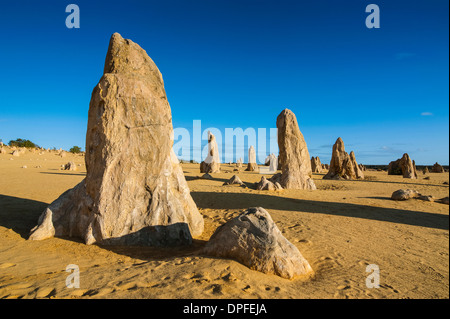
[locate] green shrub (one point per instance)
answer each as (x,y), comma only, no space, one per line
(75,150)
(22,143)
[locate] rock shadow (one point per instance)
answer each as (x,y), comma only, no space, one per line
(241,201)
(20,214)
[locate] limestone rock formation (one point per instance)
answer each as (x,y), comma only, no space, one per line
(427,198)
(15,153)
(293,154)
(403,166)
(211,164)
(252,166)
(134,192)
(254,240)
(405,194)
(343,165)
(70,166)
(437,168)
(234,180)
(316,165)
(425,170)
(239,163)
(273,163)
(358,171)
(268,184)
(267,160)
(206,176)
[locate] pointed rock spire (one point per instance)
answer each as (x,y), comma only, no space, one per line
(134,192)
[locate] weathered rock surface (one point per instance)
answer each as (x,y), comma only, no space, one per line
(252,166)
(254,240)
(70,166)
(405,194)
(427,198)
(206,176)
(437,168)
(358,171)
(268,184)
(403,166)
(273,163)
(316,165)
(211,164)
(234,180)
(343,165)
(134,192)
(239,163)
(267,160)
(293,154)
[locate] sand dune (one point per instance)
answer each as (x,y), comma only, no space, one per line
(340,228)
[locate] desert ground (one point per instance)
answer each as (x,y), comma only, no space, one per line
(340,228)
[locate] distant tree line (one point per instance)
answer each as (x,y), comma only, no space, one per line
(20,142)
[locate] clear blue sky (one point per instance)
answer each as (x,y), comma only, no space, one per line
(238,64)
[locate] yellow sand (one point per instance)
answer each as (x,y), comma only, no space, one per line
(340,229)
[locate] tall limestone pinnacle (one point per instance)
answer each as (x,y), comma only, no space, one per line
(252,165)
(294,155)
(211,164)
(134,192)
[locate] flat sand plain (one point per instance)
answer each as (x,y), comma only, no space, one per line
(340,228)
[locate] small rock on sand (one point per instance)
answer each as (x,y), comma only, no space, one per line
(404,194)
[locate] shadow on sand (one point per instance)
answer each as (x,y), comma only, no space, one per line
(392,182)
(241,201)
(21,215)
(71,174)
(194,178)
